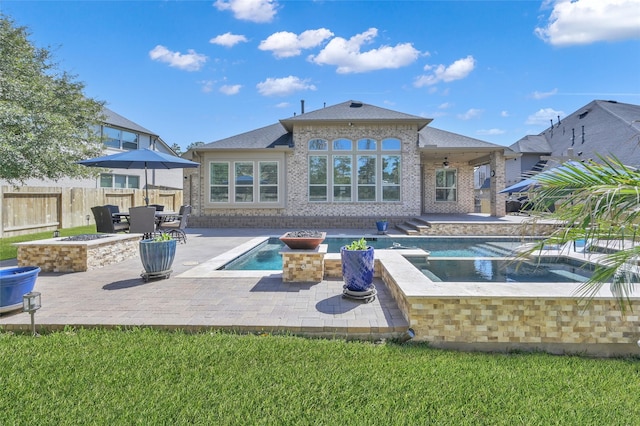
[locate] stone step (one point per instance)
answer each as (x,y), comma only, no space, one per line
(407,229)
(420,226)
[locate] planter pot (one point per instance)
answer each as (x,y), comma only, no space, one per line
(14,283)
(303,243)
(357,268)
(382,226)
(157,256)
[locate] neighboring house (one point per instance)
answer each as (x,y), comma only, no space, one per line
(38,205)
(605,128)
(346,161)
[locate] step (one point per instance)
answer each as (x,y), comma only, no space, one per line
(406,229)
(419,225)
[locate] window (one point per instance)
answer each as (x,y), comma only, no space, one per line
(268,181)
(342,172)
(108,180)
(318,178)
(365,171)
(244,182)
(219,183)
(446,185)
(120,139)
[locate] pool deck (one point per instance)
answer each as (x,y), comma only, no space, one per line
(196,297)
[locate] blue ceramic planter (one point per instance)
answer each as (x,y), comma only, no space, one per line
(14,283)
(382,226)
(357,268)
(157,256)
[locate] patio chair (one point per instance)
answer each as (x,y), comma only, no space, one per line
(104,221)
(142,220)
(113,209)
(176,228)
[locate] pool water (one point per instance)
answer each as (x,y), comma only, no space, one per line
(266,256)
(503,270)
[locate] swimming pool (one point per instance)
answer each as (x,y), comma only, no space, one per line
(266,256)
(556,270)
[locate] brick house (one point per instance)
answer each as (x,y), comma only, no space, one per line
(337,167)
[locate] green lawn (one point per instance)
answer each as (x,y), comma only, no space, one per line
(151,377)
(8,251)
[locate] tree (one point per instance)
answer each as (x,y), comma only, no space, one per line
(600,204)
(176,148)
(194,145)
(46,122)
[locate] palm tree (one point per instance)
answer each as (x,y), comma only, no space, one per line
(600,204)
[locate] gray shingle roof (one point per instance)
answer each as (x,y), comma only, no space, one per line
(265,137)
(354,111)
(605,128)
(117,120)
(430,136)
(532,144)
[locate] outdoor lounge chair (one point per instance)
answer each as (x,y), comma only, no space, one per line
(142,220)
(104,221)
(176,228)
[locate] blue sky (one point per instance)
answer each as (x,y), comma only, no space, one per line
(205,70)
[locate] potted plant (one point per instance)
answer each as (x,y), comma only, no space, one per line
(157,256)
(382,226)
(14,283)
(303,240)
(357,266)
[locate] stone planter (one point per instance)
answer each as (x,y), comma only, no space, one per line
(303,240)
(14,283)
(357,269)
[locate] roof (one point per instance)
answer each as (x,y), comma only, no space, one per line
(264,137)
(600,128)
(430,137)
(117,120)
(537,144)
(353,111)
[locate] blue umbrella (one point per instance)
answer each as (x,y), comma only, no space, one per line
(140,159)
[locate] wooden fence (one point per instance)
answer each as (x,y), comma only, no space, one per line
(26,210)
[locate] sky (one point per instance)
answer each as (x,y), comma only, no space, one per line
(200,71)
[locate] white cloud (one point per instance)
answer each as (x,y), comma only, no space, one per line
(285,44)
(505,114)
(191,61)
(543,95)
(283,86)
(249,10)
(207,85)
(445,105)
(230,89)
(347,57)
(283,105)
(542,117)
(471,113)
(456,71)
(490,132)
(587,21)
(228,39)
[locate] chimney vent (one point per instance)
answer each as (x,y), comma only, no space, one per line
(302,106)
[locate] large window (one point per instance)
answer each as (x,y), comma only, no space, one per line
(120,139)
(244,182)
(109,180)
(366,170)
(446,185)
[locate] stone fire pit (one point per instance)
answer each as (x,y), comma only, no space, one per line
(78,253)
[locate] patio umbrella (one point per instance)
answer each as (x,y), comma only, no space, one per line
(140,159)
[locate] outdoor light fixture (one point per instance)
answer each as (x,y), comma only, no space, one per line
(56,233)
(445,163)
(31,303)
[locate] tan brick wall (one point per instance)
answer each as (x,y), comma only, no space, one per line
(506,320)
(303,266)
(77,257)
(465,186)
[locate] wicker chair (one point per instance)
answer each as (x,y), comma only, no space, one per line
(176,227)
(104,221)
(142,220)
